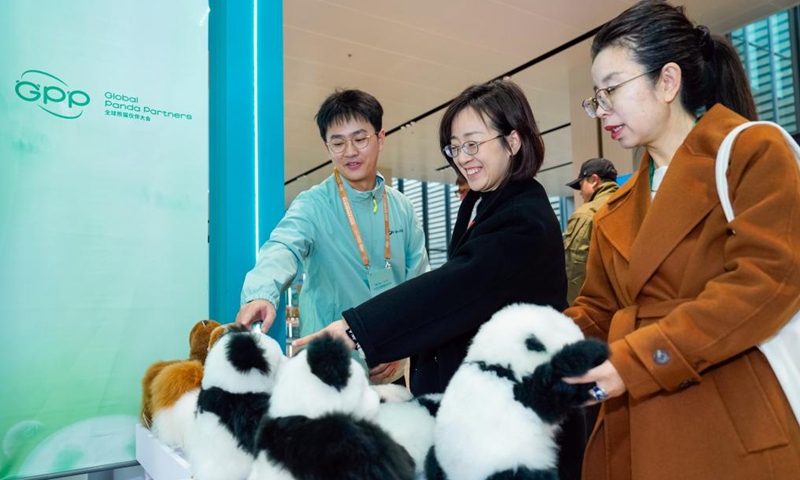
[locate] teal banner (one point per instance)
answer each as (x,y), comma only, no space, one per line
(103,218)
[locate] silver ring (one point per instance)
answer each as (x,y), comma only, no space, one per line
(598,393)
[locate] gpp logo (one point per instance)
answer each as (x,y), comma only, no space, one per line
(51,94)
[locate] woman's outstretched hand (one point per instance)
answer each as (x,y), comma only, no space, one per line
(336,329)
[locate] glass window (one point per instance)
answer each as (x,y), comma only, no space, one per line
(767,48)
(436,209)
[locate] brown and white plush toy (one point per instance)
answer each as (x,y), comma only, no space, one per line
(170,388)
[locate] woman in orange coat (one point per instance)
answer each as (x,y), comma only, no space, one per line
(683,298)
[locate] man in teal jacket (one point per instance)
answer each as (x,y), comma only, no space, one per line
(353,235)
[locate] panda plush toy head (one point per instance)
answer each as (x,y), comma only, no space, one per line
(243,361)
(323,378)
(501,411)
(522,337)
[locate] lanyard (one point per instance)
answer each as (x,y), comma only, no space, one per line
(352,219)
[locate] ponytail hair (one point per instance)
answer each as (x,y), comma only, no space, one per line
(656,33)
(733,86)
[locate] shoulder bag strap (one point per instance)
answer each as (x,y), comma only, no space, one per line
(724,155)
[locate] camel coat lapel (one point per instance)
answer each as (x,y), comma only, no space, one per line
(683,201)
(643,231)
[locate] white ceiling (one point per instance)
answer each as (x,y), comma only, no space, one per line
(415,55)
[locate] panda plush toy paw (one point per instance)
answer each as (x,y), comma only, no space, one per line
(240,373)
(500,413)
(319,423)
(546,392)
(411,424)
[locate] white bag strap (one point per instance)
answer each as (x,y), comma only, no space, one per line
(781,349)
(724,155)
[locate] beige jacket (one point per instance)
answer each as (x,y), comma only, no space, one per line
(578,235)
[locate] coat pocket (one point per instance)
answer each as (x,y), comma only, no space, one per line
(750,411)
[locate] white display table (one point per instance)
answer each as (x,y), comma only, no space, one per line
(159,461)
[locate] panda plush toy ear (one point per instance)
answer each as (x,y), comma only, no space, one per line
(319,423)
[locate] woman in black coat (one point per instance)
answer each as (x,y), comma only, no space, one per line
(511,253)
(506,248)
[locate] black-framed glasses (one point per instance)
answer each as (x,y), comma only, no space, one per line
(470,148)
(602,97)
(360,141)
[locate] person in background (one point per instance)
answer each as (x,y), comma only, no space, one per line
(354,235)
(682,297)
(597,181)
(506,248)
(462,187)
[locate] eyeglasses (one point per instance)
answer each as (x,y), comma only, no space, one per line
(360,141)
(602,97)
(470,148)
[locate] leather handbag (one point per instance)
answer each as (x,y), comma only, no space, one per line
(783,349)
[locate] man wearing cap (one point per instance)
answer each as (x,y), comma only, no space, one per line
(596,182)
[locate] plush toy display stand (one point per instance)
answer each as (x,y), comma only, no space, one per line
(159,461)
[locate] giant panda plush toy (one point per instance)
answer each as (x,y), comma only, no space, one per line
(240,374)
(500,412)
(319,423)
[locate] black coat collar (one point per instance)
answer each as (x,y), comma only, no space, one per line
(491,202)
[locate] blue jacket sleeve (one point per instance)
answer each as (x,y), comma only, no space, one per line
(281,256)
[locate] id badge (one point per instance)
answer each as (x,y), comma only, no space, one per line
(380,280)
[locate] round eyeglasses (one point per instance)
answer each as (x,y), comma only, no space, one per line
(602,97)
(470,148)
(360,141)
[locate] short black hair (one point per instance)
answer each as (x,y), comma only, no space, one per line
(505,108)
(346,105)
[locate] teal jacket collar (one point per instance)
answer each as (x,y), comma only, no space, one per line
(367,196)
